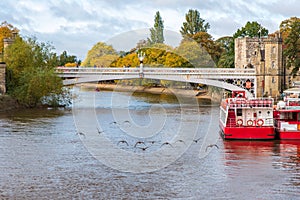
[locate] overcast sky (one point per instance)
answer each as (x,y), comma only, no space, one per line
(77,25)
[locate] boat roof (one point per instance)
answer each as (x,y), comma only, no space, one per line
(297,110)
(295,90)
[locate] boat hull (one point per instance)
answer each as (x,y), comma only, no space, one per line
(288,135)
(248,133)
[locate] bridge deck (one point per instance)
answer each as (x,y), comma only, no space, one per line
(227,78)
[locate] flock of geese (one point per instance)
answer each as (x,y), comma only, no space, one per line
(142,144)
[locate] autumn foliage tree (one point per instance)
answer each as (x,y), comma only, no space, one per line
(292,47)
(6,31)
(101,54)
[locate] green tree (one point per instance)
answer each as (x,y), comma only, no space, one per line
(292,50)
(194,24)
(30,72)
(98,50)
(226,59)
(64,58)
(157,32)
(251,29)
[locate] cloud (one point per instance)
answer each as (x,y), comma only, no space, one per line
(76,25)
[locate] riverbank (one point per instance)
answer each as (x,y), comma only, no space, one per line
(200,94)
(8,103)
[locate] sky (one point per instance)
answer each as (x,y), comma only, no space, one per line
(76,26)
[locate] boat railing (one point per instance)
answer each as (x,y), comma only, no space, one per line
(251,122)
(289,104)
(250,103)
(293,102)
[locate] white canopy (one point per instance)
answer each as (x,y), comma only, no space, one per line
(292,91)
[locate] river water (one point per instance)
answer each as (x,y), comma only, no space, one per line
(113,145)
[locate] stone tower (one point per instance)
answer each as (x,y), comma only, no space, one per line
(6,42)
(2,78)
(265,56)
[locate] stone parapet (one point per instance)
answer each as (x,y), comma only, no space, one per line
(2,78)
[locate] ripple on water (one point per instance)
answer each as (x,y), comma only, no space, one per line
(42,157)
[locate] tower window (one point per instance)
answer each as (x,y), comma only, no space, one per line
(273,64)
(273,80)
(274,50)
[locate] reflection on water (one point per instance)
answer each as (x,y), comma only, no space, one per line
(41,156)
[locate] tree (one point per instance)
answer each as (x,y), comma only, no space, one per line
(30,73)
(157,32)
(64,59)
(226,59)
(6,31)
(192,52)
(286,26)
(98,50)
(292,50)
(205,40)
(251,29)
(194,23)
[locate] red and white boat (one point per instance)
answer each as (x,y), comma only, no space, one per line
(287,115)
(249,119)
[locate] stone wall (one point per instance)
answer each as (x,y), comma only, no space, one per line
(2,78)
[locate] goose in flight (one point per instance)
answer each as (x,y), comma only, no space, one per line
(211,145)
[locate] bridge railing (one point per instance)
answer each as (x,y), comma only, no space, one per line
(162,71)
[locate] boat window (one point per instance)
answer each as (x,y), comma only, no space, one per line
(294,116)
(239,112)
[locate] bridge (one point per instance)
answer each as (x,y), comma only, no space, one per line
(226,78)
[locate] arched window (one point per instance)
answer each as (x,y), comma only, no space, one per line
(273,50)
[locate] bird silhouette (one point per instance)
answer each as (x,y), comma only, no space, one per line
(114,122)
(139,142)
(166,143)
(143,148)
(152,142)
(197,140)
(80,133)
(99,131)
(210,146)
(180,141)
(123,142)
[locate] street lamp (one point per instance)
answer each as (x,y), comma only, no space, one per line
(141,56)
(262,60)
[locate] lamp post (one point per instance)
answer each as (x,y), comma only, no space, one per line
(141,56)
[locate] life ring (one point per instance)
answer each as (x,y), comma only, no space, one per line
(260,122)
(250,122)
(239,122)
